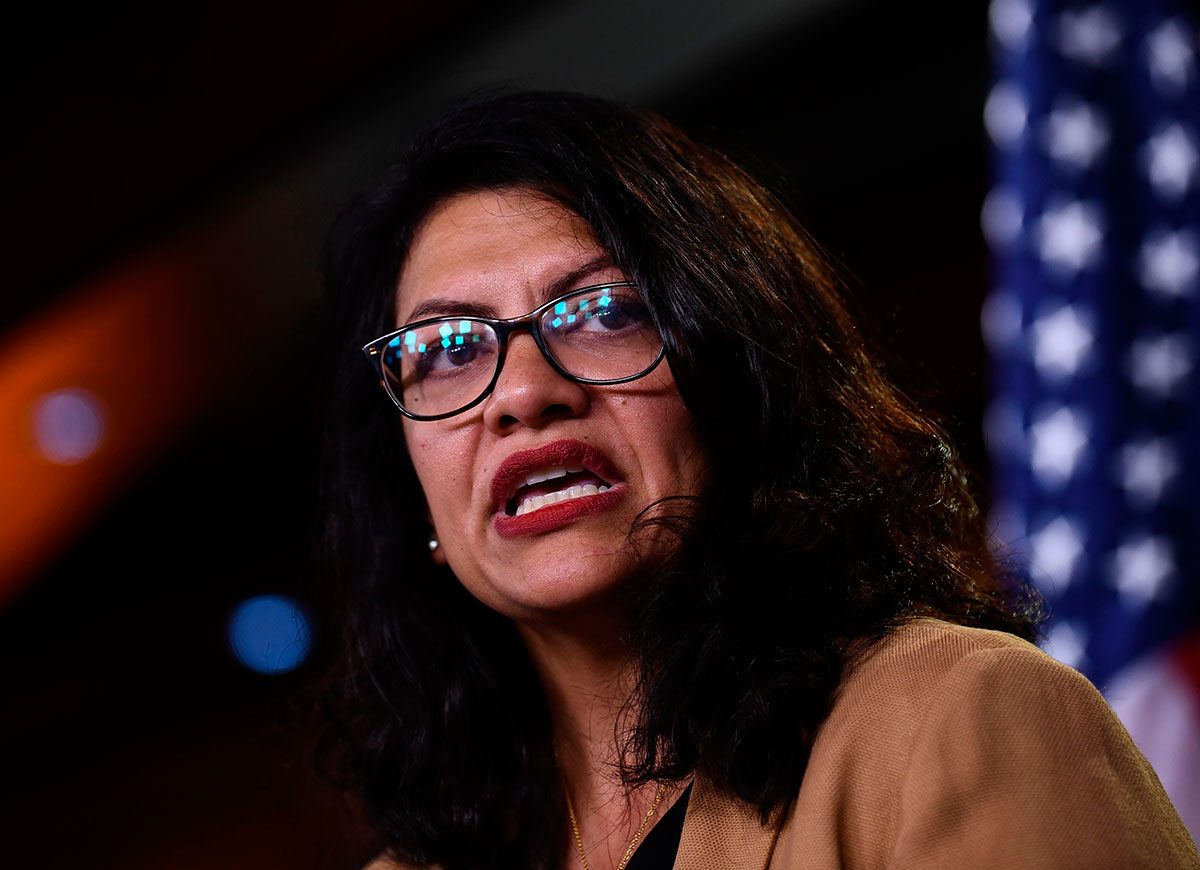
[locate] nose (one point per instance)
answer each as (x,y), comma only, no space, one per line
(530,392)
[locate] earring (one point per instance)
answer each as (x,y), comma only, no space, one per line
(433,542)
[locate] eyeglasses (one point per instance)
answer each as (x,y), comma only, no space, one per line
(442,366)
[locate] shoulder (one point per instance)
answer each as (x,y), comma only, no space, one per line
(980,704)
(927,669)
(943,740)
(984,703)
(930,680)
(930,649)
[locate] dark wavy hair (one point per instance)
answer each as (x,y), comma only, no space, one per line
(835,509)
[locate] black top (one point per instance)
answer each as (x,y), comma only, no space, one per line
(657,851)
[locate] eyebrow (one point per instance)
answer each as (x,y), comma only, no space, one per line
(439,305)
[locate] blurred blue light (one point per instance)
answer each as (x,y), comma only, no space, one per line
(269,634)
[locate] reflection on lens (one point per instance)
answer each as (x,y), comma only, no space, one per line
(439,366)
(604,333)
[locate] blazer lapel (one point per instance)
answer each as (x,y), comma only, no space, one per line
(722,831)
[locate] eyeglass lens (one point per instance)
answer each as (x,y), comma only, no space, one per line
(599,334)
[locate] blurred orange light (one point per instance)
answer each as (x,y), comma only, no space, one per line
(150,343)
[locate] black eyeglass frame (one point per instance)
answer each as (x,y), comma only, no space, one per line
(503,329)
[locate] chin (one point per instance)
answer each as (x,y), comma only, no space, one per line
(542,591)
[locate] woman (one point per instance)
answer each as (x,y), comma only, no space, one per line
(648,564)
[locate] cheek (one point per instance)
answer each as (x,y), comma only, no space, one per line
(438,458)
(665,419)
(676,459)
(421,452)
(427,448)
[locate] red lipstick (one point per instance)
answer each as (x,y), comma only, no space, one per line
(511,475)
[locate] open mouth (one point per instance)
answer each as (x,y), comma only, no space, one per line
(546,487)
(553,485)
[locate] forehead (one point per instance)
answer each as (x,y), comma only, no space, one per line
(484,243)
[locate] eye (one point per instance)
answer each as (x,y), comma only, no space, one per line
(451,358)
(446,348)
(605,310)
(620,314)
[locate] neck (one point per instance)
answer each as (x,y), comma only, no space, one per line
(588,674)
(586,670)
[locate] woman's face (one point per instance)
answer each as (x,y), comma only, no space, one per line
(506,253)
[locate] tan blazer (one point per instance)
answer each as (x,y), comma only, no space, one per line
(951,747)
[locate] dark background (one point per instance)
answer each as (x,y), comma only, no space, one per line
(131,736)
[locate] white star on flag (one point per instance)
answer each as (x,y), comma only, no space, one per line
(1141,567)
(1069,236)
(1091,35)
(1054,552)
(1146,468)
(1061,341)
(1010,20)
(1067,643)
(1170,263)
(1005,114)
(1076,134)
(1056,444)
(1158,365)
(1170,55)
(1170,159)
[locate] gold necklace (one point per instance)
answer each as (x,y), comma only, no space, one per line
(662,789)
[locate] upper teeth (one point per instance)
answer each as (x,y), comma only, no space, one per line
(537,501)
(551,473)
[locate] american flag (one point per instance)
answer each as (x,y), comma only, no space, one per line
(1093,324)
